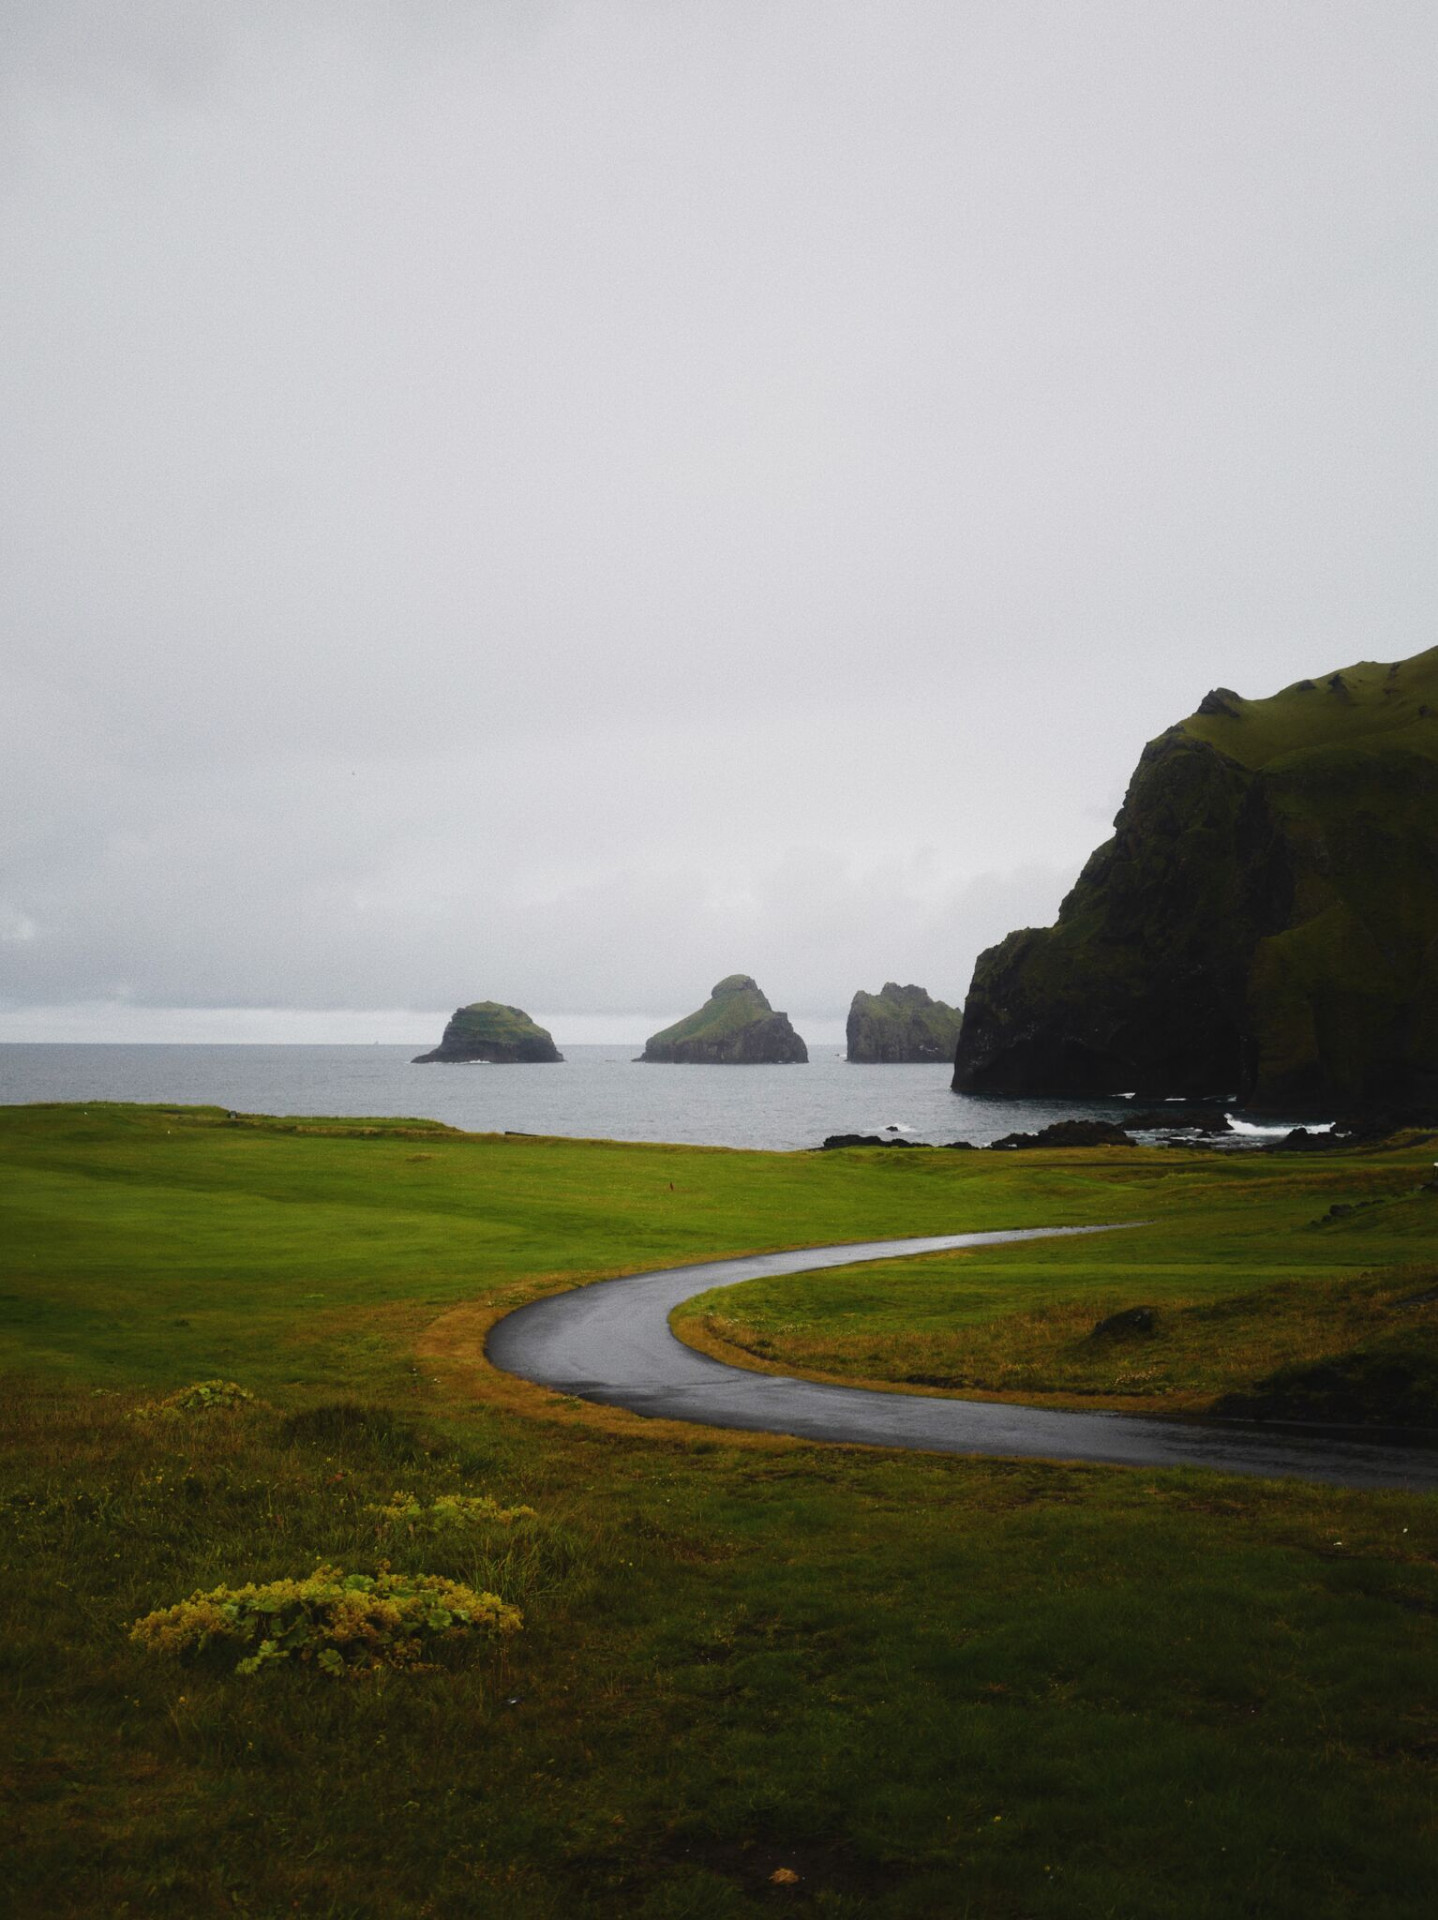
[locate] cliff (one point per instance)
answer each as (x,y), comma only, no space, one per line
(901,1023)
(1264,921)
(488,1031)
(736,1026)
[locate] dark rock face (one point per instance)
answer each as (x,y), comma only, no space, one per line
(1264,922)
(736,1026)
(488,1031)
(1300,1140)
(900,1024)
(1067,1133)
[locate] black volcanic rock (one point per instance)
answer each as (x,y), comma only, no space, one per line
(736,1026)
(870,1140)
(900,1024)
(1067,1133)
(487,1031)
(1265,918)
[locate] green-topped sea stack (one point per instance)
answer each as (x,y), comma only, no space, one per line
(736,1026)
(488,1031)
(901,1024)
(1264,922)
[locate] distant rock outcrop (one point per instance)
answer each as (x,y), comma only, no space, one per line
(901,1024)
(488,1031)
(1263,923)
(736,1026)
(1066,1133)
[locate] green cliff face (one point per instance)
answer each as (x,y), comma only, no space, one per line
(900,1024)
(1264,921)
(736,1026)
(488,1031)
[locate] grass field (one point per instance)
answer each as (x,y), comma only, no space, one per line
(1328,1264)
(918,1686)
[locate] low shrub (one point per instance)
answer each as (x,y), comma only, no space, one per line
(201,1396)
(449,1510)
(335,1621)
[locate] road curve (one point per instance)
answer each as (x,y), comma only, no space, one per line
(611,1343)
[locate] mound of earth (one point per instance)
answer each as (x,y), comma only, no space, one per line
(1263,923)
(1391,1383)
(488,1031)
(736,1026)
(900,1024)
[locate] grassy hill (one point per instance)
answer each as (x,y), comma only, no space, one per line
(1372,705)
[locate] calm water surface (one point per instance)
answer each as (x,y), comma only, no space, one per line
(597,1093)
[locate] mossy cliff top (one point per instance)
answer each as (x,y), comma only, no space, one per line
(1263,924)
(487,1030)
(1372,707)
(736,1026)
(900,1024)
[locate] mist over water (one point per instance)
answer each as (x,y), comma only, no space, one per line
(599,1092)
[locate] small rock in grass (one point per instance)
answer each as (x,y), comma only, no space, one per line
(1131,1323)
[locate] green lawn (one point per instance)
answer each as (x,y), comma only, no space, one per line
(924,1686)
(1266,1277)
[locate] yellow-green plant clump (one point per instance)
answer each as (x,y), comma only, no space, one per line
(335,1621)
(448,1511)
(201,1396)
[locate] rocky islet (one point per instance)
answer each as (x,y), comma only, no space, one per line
(900,1025)
(489,1032)
(736,1026)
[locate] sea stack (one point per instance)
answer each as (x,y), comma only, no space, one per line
(736,1026)
(901,1024)
(1264,922)
(491,1032)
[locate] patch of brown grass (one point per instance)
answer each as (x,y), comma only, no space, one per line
(455,1344)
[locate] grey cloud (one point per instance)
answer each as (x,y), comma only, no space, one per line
(571,490)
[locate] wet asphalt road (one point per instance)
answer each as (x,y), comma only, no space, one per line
(611,1343)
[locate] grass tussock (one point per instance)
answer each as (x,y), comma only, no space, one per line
(340,1623)
(200,1397)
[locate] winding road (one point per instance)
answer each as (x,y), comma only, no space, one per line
(611,1343)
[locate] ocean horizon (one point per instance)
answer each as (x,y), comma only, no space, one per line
(597,1092)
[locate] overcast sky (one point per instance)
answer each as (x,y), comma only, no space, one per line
(560,502)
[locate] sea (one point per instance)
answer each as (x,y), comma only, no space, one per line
(597,1092)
